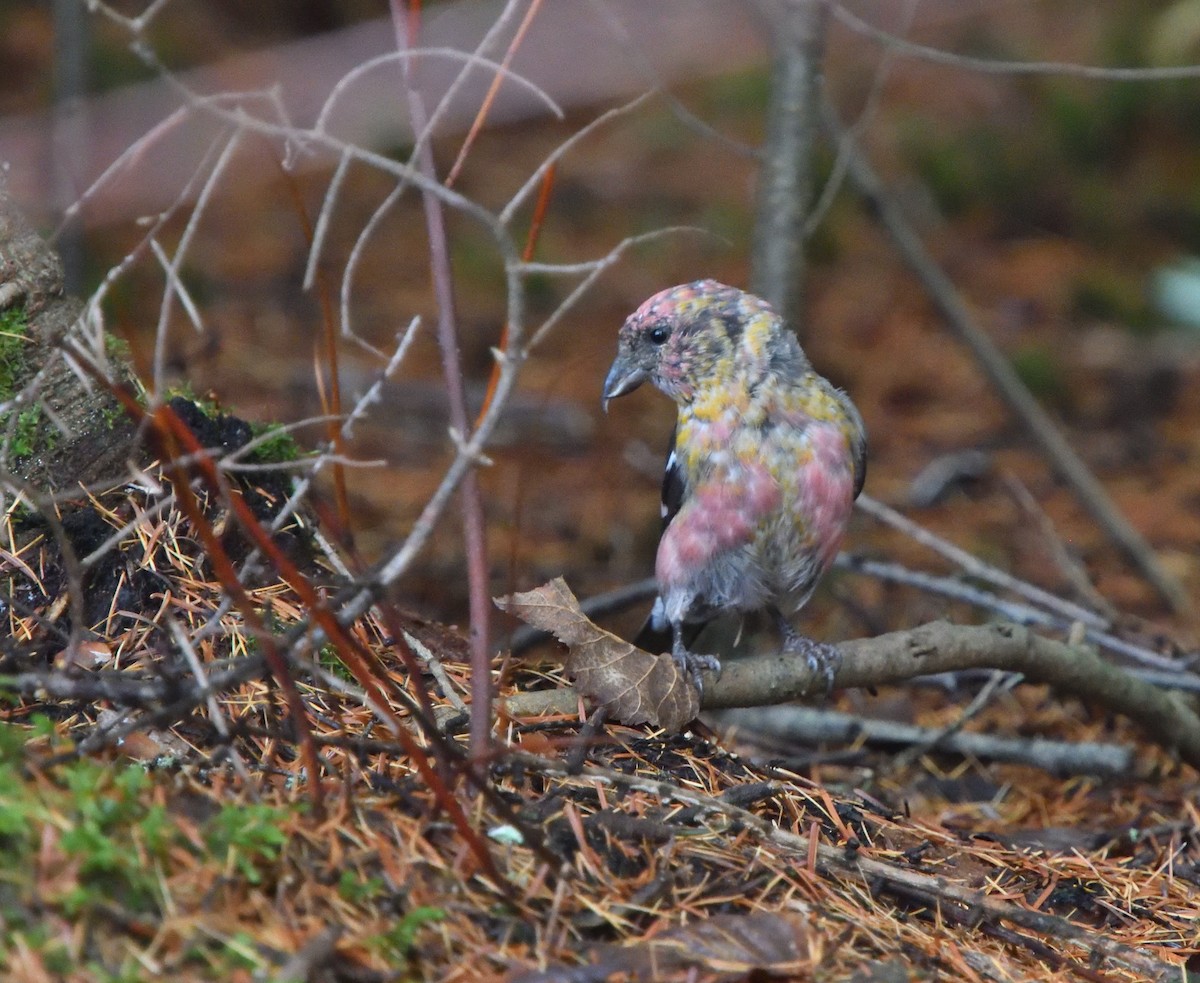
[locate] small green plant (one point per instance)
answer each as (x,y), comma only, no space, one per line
(25,436)
(14,329)
(246,836)
(117,841)
(331,662)
(356,889)
(99,818)
(397,942)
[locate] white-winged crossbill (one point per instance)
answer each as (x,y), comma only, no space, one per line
(767,459)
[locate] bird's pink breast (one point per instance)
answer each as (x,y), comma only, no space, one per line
(827,490)
(720,516)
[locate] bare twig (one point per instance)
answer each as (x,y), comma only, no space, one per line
(1021,614)
(991,66)
(942,736)
(1071,568)
(975,567)
(1004,378)
(447,332)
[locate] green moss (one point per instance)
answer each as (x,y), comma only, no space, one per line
(276,446)
(14,328)
(120,845)
(116,348)
(102,821)
(31,431)
(112,413)
(355,887)
(331,662)
(248,837)
(184,391)
(28,429)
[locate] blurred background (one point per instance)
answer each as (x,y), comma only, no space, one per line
(1066,209)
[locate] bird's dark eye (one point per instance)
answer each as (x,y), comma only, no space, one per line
(658,335)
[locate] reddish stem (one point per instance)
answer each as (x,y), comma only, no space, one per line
(406,23)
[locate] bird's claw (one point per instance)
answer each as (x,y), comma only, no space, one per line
(695,666)
(823,659)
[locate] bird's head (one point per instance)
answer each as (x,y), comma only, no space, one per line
(693,336)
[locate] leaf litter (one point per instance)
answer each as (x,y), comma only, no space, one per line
(667,856)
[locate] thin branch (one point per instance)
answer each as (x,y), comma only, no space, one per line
(173,286)
(494,88)
(1004,378)
(814,725)
(1021,614)
(941,737)
(975,567)
(593,269)
(999,67)
(837,173)
(534,181)
(474,532)
(471,59)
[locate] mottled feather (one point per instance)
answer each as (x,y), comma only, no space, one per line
(767,456)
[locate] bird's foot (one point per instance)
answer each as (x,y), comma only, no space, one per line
(822,658)
(695,665)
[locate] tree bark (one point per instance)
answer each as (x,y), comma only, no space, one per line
(785,182)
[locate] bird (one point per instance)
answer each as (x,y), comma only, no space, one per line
(766,460)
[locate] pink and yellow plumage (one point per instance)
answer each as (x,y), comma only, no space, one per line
(768,458)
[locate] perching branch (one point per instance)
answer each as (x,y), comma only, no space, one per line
(933,648)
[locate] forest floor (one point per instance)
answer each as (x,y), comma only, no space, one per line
(668,852)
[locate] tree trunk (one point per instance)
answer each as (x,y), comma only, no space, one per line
(59,427)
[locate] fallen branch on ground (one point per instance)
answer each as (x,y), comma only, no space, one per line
(812,725)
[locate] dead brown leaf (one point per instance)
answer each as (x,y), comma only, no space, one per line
(634,686)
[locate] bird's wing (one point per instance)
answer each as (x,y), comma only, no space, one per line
(674,488)
(655,633)
(858,441)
